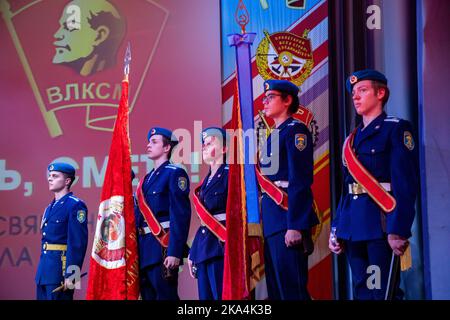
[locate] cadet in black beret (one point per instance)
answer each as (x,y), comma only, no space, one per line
(64,236)
(377,208)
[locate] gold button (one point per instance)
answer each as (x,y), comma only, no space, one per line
(355,197)
(373,150)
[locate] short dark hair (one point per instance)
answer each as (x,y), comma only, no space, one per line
(376,85)
(293,107)
(68,176)
(166,141)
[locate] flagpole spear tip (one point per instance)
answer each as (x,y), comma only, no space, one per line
(242,16)
(127,61)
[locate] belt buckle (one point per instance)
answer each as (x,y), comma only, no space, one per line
(355,188)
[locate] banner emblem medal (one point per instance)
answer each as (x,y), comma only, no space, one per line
(285,56)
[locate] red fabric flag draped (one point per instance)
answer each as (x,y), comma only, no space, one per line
(113,271)
(235,277)
(244,257)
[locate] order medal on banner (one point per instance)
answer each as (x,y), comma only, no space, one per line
(285,56)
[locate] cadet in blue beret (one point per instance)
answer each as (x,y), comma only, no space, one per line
(162,195)
(367,226)
(64,236)
(287,231)
(206,256)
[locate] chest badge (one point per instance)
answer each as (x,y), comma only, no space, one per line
(408,140)
(81,216)
(300,141)
(182,183)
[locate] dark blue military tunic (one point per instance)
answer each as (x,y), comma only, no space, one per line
(386,149)
(287,268)
(64,223)
(207,250)
(166,191)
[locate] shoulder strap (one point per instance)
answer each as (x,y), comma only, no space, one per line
(153,223)
(385,200)
(276,194)
(207,218)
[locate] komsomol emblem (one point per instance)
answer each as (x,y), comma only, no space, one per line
(182,183)
(72,56)
(285,56)
(408,140)
(109,239)
(300,141)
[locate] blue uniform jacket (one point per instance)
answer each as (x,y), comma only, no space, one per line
(295,164)
(385,149)
(166,191)
(214,197)
(62,223)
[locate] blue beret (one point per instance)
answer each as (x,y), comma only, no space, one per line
(61,167)
(162,131)
(366,74)
(281,85)
(214,131)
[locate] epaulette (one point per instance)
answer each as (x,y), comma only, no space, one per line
(74,198)
(172,166)
(392,119)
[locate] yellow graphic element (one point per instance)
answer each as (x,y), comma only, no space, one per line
(264,4)
(78,58)
(322,165)
(285,56)
(89,36)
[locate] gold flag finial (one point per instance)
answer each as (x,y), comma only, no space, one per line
(242,17)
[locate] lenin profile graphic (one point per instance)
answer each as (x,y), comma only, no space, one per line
(89,36)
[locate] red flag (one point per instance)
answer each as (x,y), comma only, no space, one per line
(243,261)
(113,271)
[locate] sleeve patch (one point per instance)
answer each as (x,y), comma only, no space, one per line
(300,141)
(408,140)
(182,183)
(81,216)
